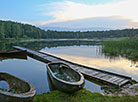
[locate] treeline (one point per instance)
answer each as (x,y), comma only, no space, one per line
(93,34)
(9,29)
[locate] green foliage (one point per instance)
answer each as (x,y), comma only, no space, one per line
(81,96)
(9,29)
(126,47)
(92,34)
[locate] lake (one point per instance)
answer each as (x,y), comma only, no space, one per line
(83,52)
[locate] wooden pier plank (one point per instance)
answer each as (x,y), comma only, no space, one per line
(120,80)
(123,82)
(105,76)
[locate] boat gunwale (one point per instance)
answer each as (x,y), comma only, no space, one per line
(30,93)
(13,52)
(80,82)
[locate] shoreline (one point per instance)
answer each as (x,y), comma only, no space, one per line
(65,39)
(82,96)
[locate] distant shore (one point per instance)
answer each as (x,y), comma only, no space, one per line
(31,40)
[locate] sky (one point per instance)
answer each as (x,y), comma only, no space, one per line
(72,13)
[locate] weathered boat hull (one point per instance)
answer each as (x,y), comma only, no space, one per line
(66,86)
(25,91)
(12,53)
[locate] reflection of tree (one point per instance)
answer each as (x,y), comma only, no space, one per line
(1,58)
(5,46)
(134,63)
(38,45)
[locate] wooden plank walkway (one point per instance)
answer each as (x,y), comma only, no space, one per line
(104,76)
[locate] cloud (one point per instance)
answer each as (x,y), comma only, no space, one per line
(113,22)
(68,10)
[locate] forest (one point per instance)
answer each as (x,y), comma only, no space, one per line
(10,29)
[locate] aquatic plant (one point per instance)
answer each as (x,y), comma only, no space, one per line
(125,47)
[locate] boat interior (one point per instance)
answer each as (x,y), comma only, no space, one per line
(64,72)
(15,85)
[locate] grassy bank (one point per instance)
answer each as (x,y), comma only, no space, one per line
(126,47)
(82,96)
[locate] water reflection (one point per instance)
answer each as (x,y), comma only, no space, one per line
(38,45)
(4,85)
(83,52)
(35,72)
(51,86)
(30,70)
(90,56)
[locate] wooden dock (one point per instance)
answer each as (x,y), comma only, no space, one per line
(103,76)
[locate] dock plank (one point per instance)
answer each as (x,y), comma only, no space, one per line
(120,80)
(101,75)
(123,82)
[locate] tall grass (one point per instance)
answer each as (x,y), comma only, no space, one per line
(126,47)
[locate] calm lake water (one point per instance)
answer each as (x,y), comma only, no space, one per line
(86,53)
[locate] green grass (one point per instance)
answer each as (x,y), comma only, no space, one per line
(126,47)
(81,96)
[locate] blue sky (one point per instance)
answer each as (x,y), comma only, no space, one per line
(43,12)
(24,10)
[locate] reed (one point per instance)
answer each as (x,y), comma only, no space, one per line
(125,47)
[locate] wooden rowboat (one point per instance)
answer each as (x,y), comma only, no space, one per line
(12,53)
(18,90)
(64,78)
